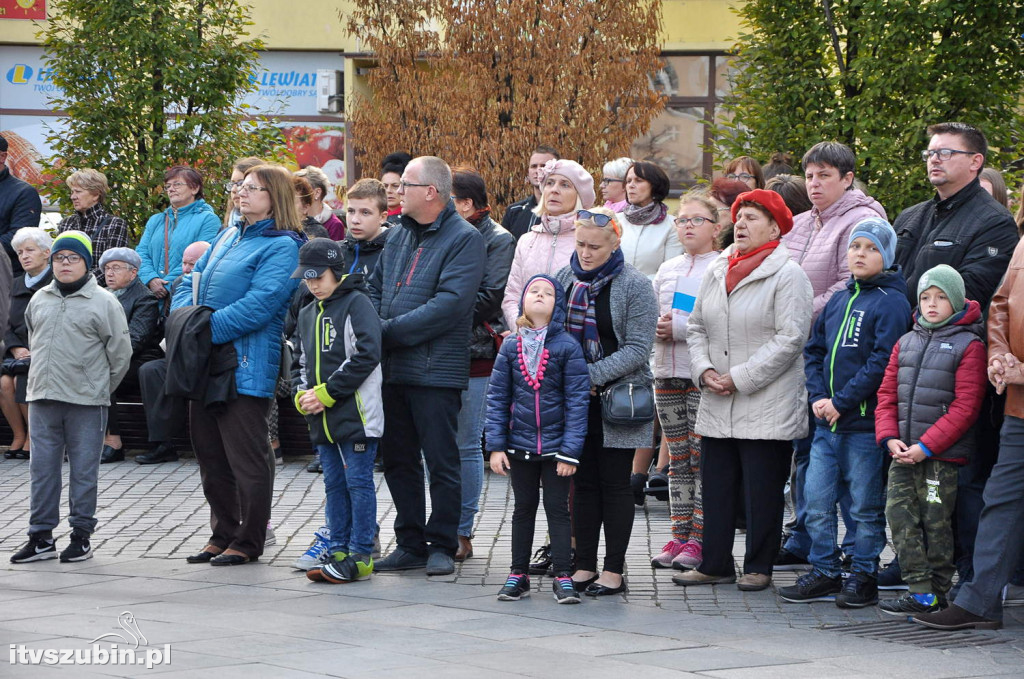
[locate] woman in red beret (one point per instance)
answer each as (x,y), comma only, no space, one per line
(746,335)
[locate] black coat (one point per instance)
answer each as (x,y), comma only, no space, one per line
(501,247)
(142,309)
(361,255)
(19,206)
(519,217)
(969,231)
(17,332)
(196,368)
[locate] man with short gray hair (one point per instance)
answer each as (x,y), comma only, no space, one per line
(424,287)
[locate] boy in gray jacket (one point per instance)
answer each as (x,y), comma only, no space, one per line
(80,352)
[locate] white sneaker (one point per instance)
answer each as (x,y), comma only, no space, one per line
(317,554)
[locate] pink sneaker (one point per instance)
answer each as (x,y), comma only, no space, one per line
(668,553)
(690,556)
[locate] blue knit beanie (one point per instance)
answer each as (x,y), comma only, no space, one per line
(879,232)
(75,241)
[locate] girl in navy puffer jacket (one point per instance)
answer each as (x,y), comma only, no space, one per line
(537,403)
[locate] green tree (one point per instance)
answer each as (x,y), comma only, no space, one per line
(874,74)
(484,83)
(147,84)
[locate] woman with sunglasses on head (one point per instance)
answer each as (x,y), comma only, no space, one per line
(188,219)
(648,230)
(613,183)
(245,278)
(565,188)
(612,314)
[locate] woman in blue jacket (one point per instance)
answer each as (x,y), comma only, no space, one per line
(245,277)
(537,416)
(188,219)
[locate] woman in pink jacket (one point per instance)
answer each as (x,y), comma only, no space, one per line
(566,188)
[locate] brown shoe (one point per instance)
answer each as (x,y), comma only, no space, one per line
(754,582)
(695,577)
(465,549)
(954,618)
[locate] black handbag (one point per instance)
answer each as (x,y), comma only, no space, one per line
(627,404)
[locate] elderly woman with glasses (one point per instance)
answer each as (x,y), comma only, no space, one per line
(188,219)
(612,313)
(613,183)
(88,191)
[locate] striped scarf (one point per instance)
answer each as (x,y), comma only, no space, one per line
(581,320)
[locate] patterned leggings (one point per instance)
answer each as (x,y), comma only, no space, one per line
(677,401)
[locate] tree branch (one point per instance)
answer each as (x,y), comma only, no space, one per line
(830,23)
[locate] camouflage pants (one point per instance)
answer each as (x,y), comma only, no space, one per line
(921,498)
(677,401)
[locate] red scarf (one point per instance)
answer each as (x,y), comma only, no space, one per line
(741,266)
(397,210)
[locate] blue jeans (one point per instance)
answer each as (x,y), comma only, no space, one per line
(470,428)
(852,464)
(351,496)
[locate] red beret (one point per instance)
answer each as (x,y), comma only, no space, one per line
(770,201)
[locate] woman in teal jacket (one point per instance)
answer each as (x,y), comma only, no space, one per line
(188,219)
(245,277)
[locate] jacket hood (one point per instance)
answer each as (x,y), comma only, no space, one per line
(891,280)
(557,322)
(850,200)
(194,208)
(969,317)
(349,282)
(372,245)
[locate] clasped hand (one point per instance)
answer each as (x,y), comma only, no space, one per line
(718,384)
(1004,370)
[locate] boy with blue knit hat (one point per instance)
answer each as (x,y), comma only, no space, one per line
(928,403)
(845,361)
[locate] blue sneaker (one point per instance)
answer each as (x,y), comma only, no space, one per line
(317,553)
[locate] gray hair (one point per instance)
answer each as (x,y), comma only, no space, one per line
(317,179)
(436,173)
(616,169)
(34,234)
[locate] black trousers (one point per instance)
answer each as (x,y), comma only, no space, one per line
(236,467)
(526,480)
(423,419)
(602,497)
(129,383)
(165,415)
(758,469)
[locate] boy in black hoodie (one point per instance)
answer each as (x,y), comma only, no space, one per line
(336,378)
(845,361)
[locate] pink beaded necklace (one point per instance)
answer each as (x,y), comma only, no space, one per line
(532,381)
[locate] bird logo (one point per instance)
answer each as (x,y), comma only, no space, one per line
(127,622)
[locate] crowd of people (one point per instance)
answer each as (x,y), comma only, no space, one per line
(776,330)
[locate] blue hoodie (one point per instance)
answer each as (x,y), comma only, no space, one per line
(850,345)
(550,422)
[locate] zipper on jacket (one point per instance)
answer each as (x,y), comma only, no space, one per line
(863,408)
(412,269)
(536,409)
(913,386)
(316,334)
(843,329)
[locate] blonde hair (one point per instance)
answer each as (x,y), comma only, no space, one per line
(88,179)
(278,182)
(542,205)
(702,198)
(317,179)
(613,224)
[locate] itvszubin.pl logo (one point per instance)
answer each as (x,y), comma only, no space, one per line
(128,648)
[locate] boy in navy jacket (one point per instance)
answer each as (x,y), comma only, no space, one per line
(845,361)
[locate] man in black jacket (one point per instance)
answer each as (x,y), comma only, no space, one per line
(424,287)
(519,217)
(19,206)
(964,227)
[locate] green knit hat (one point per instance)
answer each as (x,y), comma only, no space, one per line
(75,241)
(947,279)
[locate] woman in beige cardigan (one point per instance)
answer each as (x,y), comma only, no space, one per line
(746,336)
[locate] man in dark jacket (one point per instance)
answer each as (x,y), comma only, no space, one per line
(519,217)
(964,227)
(120,267)
(19,206)
(424,287)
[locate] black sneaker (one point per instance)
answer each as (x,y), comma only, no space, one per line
(813,586)
(912,604)
(565,591)
(788,561)
(516,587)
(40,546)
(541,561)
(79,549)
(859,590)
(400,560)
(890,578)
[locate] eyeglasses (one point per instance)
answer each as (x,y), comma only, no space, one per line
(696,221)
(742,176)
(173,185)
(609,180)
(116,268)
(249,188)
(943,154)
(232,185)
(596,217)
(68,259)
(405,185)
